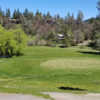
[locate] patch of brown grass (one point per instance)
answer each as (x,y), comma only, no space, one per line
(72,63)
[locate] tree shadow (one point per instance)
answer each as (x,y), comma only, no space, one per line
(10,56)
(71,88)
(90,52)
(5,56)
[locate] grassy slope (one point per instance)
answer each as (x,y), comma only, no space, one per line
(26,75)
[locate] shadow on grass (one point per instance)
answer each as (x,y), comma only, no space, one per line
(10,56)
(90,52)
(71,88)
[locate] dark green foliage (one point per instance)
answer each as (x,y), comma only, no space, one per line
(8,13)
(26,12)
(96,29)
(16,14)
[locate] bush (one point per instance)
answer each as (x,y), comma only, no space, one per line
(11,41)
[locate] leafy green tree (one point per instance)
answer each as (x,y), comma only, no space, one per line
(11,42)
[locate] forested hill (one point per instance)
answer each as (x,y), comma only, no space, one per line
(43,29)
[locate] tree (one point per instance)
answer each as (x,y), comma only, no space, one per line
(79,28)
(96,30)
(98,7)
(97,42)
(48,16)
(80,17)
(28,15)
(96,35)
(38,15)
(11,41)
(1,12)
(8,13)
(16,14)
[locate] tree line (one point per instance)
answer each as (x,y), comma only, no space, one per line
(42,29)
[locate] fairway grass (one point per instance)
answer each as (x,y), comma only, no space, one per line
(44,69)
(73,63)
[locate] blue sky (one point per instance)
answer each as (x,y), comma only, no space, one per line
(54,6)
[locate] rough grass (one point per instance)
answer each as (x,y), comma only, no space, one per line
(44,69)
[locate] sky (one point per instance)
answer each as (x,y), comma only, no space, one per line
(62,7)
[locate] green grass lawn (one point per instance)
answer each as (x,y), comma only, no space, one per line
(44,69)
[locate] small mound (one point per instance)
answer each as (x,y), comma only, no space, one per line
(72,63)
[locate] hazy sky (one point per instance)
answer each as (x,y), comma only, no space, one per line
(54,6)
